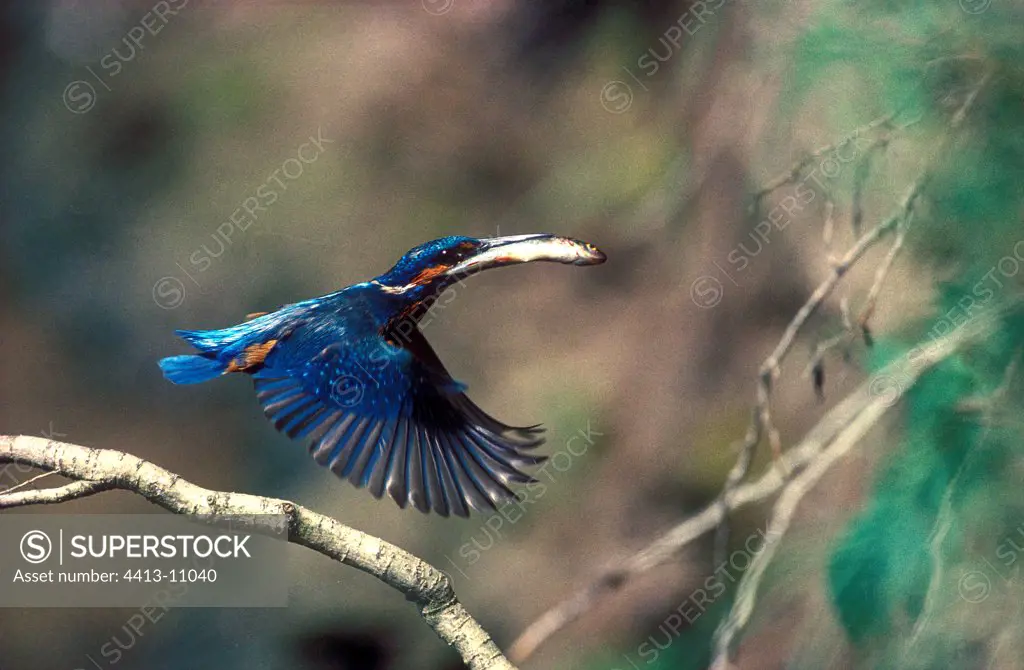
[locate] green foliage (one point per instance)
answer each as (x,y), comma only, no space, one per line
(955,447)
(952,468)
(880,569)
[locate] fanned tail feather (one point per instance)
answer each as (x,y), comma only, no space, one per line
(217,347)
(191,369)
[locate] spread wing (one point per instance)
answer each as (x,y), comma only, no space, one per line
(392,419)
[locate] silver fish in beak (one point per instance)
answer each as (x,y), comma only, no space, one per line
(496,252)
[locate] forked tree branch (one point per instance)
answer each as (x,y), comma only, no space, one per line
(733,494)
(832,437)
(821,447)
(96,470)
(900,375)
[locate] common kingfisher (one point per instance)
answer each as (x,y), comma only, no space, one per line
(352,373)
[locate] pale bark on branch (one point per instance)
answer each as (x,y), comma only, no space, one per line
(96,470)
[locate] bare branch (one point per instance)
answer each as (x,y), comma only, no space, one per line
(50,496)
(882,272)
(829,227)
(863,170)
(902,223)
(790,175)
(782,516)
(850,417)
(841,426)
(103,469)
(761,422)
(786,505)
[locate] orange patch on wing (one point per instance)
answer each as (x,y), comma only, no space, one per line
(253,315)
(253,356)
(426,275)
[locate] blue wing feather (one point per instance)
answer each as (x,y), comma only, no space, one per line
(386,417)
(190,369)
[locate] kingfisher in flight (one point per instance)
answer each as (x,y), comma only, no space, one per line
(351,373)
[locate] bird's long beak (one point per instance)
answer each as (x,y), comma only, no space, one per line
(501,251)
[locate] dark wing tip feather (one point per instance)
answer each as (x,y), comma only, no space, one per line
(395,477)
(377,472)
(456,497)
(437,452)
(473,491)
(415,478)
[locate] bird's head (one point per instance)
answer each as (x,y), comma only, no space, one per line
(431,267)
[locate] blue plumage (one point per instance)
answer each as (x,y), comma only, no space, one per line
(351,373)
(191,369)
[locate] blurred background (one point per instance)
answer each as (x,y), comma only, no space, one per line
(184,163)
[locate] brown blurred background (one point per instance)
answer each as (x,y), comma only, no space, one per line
(440,118)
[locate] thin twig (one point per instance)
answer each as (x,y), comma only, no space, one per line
(863,171)
(882,271)
(944,518)
(59,494)
(823,347)
(867,311)
(829,227)
(27,482)
(860,177)
(790,175)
